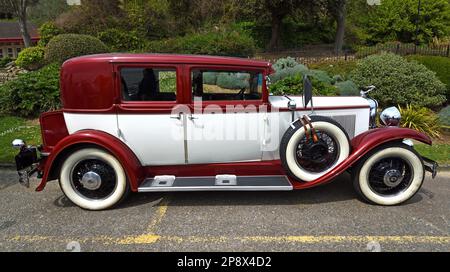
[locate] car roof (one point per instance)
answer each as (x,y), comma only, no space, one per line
(168,58)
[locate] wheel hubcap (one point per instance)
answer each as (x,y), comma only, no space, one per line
(91,180)
(392,178)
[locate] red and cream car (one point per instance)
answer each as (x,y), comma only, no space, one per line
(160,123)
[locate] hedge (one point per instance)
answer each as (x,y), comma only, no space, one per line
(66,46)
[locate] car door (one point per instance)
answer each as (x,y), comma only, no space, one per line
(145,120)
(226,124)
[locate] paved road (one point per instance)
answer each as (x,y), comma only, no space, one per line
(326,218)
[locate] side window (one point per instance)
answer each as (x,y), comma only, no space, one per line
(148,84)
(210,85)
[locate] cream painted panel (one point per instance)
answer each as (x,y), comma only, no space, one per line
(80,121)
(156,139)
(224,137)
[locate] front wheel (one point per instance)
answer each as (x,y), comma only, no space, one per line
(93,179)
(389,175)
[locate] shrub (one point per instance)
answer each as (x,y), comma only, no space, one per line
(294,85)
(31,93)
(223,43)
(287,67)
(120,40)
(347,88)
(66,46)
(4,61)
(31,58)
(439,65)
(399,81)
(421,119)
(444,117)
(46,32)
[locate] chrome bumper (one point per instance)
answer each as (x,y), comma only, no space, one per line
(430,166)
(27,163)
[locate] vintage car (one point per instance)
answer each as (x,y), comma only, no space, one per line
(162,123)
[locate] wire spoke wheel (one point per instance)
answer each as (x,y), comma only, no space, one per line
(319,156)
(390,176)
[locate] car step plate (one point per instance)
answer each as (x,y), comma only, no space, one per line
(216,183)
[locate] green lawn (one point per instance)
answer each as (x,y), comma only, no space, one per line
(438,152)
(12,128)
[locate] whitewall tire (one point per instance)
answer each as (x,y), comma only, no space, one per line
(93,179)
(302,159)
(389,175)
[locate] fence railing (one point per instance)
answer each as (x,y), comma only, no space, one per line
(310,56)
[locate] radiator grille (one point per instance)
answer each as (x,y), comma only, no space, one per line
(347,122)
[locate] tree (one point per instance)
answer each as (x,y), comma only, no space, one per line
(278,9)
(337,9)
(47,10)
(395,20)
(92,17)
(19,9)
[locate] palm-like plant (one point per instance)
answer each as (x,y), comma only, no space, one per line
(421,119)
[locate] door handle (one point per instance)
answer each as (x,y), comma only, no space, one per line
(176,117)
(191,117)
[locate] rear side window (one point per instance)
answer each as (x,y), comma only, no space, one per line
(210,85)
(148,84)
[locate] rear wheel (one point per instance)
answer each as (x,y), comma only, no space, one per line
(93,179)
(389,175)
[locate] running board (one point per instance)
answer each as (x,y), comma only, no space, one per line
(217,183)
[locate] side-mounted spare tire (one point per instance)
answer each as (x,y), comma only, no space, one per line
(306,160)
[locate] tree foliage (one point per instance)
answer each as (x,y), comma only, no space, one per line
(396,20)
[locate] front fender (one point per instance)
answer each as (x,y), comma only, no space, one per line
(365,142)
(122,152)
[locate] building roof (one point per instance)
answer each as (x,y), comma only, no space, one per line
(10,31)
(169,58)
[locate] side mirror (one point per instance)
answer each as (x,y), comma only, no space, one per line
(307,91)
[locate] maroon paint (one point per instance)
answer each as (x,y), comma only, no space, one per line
(90,84)
(116,147)
(212,169)
(53,129)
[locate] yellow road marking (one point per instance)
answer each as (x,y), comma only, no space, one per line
(160,213)
(152,238)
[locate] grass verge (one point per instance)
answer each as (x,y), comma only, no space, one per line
(13,128)
(438,152)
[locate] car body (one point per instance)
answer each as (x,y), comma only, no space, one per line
(171,124)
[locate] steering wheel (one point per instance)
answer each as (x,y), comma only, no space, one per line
(240,94)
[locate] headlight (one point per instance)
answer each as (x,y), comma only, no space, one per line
(391,117)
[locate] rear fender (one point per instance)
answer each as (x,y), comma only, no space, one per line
(117,148)
(364,143)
